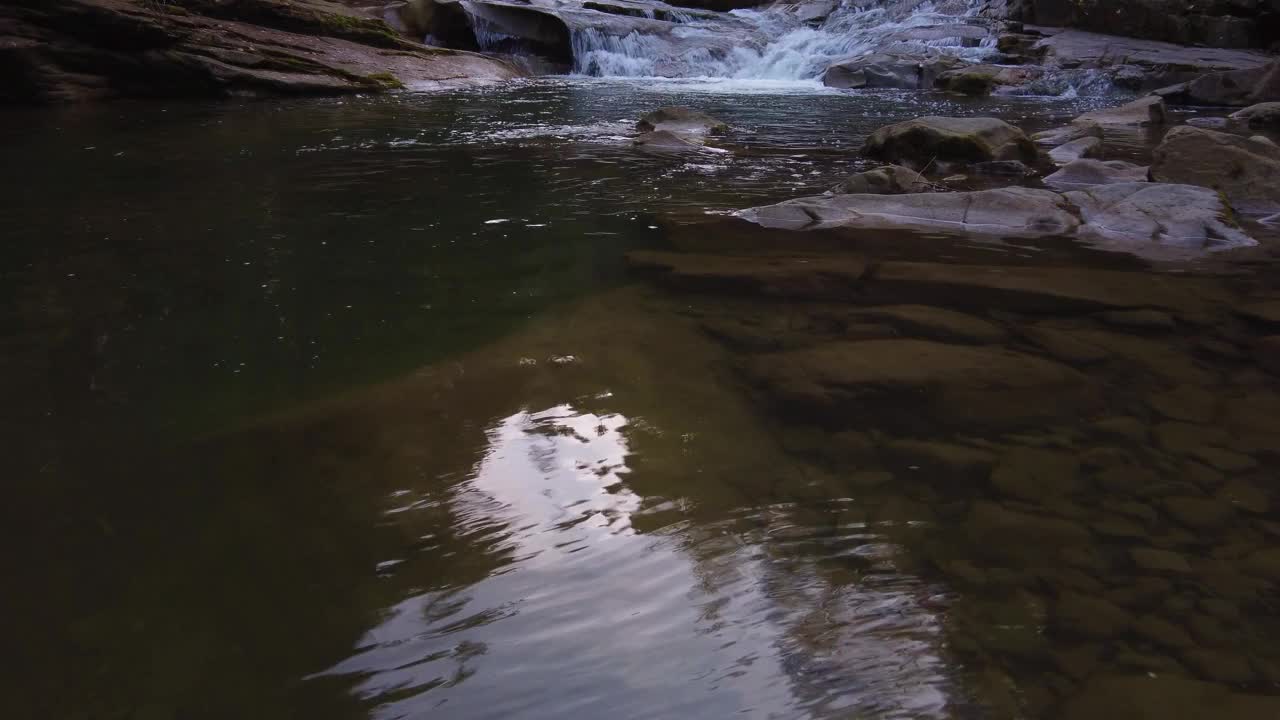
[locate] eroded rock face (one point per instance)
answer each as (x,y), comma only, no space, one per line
(901,382)
(1245,170)
(97,49)
(903,71)
(946,140)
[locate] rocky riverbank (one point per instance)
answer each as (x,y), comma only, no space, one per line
(75,50)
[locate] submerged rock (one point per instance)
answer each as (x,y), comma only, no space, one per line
(1245,170)
(667,142)
(919,384)
(905,71)
(886,180)
(1164,696)
(1078,149)
(682,121)
(1086,173)
(946,139)
(1036,474)
(938,323)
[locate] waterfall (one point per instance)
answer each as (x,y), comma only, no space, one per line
(782,42)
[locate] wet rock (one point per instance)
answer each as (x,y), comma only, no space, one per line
(1080,174)
(1189,403)
(982,79)
(1090,617)
(1163,633)
(1219,665)
(1013,211)
(887,180)
(869,479)
(77,50)
(1035,474)
(1245,496)
(1079,149)
(1003,532)
(1149,110)
(1001,168)
(1242,87)
(1070,133)
(1262,115)
(904,71)
(947,139)
(947,460)
(1266,352)
(1159,561)
(1199,513)
(1209,123)
(1224,460)
(937,323)
(1266,312)
(1157,219)
(681,121)
(1166,62)
(665,142)
(1247,172)
(1164,697)
(916,383)
(1264,563)
(1064,346)
(1129,428)
(1139,319)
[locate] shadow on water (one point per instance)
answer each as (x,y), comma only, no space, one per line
(345,410)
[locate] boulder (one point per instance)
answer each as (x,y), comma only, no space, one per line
(1087,173)
(1242,87)
(916,385)
(1245,170)
(1164,696)
(665,142)
(1069,133)
(1264,115)
(1078,149)
(1149,110)
(982,79)
(947,139)
(1013,211)
(681,121)
(903,71)
(1170,220)
(886,180)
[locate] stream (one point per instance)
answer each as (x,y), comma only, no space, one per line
(352,408)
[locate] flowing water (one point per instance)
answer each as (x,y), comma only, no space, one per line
(349,408)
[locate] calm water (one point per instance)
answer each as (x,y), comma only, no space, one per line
(346,409)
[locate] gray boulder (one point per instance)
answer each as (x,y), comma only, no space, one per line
(1080,148)
(1247,86)
(948,139)
(1149,110)
(1247,171)
(1170,220)
(905,71)
(1265,114)
(665,142)
(982,79)
(1087,173)
(681,120)
(1060,136)
(887,180)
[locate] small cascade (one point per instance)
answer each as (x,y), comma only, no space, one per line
(784,42)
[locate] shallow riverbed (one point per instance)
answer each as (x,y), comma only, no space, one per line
(352,408)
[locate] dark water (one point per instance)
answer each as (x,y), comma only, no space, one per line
(344,409)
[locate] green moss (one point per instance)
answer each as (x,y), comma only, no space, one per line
(385,80)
